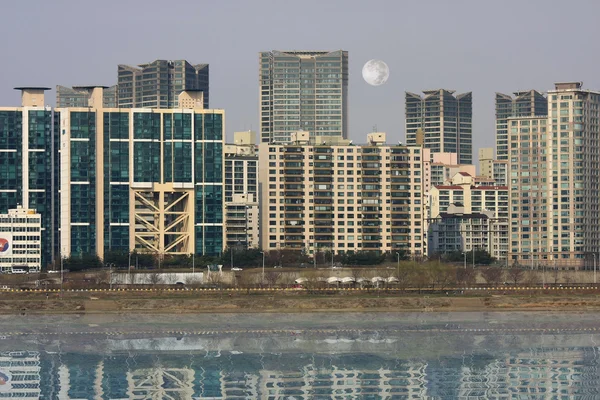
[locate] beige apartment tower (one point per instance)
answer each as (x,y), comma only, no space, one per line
(241,217)
(342,197)
(554,177)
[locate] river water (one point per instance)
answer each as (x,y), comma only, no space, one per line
(525,355)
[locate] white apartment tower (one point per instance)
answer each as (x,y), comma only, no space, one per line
(241,191)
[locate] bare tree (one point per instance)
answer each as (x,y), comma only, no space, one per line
(531,278)
(556,275)
(405,274)
(465,276)
(356,273)
(515,274)
(102,277)
(440,275)
(313,279)
(154,278)
(420,279)
(272,277)
(169,279)
(492,275)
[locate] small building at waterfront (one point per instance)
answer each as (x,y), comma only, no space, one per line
(20,241)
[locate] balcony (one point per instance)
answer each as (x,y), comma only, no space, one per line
(294,230)
(293,194)
(371,216)
(293,157)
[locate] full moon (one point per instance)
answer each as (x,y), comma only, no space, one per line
(375,72)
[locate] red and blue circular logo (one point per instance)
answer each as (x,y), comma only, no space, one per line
(4,245)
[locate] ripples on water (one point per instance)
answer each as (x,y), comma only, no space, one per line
(317,356)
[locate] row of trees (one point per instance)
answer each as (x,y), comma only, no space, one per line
(409,274)
(482,257)
(247,258)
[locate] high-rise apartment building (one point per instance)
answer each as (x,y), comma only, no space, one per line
(303,90)
(78,96)
(141,179)
(159,83)
(29,163)
(444,119)
(528,103)
(492,168)
(459,204)
(241,191)
(554,177)
(342,197)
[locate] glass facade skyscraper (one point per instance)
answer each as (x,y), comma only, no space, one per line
(446,121)
(28,156)
(141,179)
(109,179)
(157,84)
(529,103)
(303,90)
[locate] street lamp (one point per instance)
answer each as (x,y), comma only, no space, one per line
(110,265)
(398,254)
(263,272)
(332,253)
(129,267)
(594,255)
(61,275)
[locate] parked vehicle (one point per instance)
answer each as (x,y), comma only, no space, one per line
(236,269)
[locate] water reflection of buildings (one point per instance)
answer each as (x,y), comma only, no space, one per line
(549,372)
(20,374)
(407,381)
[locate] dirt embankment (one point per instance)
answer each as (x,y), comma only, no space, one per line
(171,303)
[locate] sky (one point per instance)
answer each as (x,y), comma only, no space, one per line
(479,46)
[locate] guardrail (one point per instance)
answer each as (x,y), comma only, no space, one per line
(263,290)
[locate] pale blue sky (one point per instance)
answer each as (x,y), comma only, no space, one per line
(479,46)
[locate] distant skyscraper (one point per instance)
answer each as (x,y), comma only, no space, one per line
(78,96)
(554,175)
(157,84)
(303,90)
(445,119)
(529,103)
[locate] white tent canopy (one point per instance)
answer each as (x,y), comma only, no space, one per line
(301,280)
(376,279)
(333,279)
(348,279)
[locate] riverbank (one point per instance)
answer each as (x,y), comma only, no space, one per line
(183,302)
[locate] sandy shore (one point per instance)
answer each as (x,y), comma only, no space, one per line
(179,303)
